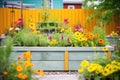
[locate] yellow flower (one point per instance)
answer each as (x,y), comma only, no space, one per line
(32,25)
(91,69)
(113,34)
(99,69)
(105,72)
(115,68)
(53,42)
(19,68)
(62,30)
(84,63)
(114,62)
(80,70)
(105,49)
(77,34)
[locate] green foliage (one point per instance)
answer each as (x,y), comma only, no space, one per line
(101,32)
(5,52)
(25,38)
(42,40)
(104,9)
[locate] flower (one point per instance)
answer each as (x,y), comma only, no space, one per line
(100,68)
(20,22)
(66,21)
(22,69)
(84,63)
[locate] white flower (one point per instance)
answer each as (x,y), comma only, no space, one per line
(17,29)
(10,29)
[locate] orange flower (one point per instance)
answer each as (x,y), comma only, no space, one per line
(5,73)
(27,63)
(97,35)
(36,72)
(27,54)
(24,76)
(18,57)
(31,65)
(19,68)
(100,41)
(19,75)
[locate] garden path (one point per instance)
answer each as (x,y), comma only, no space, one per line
(59,76)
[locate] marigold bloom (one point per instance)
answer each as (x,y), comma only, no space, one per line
(27,54)
(27,63)
(24,76)
(101,41)
(5,73)
(19,68)
(36,72)
(19,75)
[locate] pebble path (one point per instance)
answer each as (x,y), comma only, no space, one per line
(59,76)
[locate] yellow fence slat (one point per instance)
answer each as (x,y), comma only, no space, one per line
(77,16)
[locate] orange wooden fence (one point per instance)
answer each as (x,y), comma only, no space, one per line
(77,16)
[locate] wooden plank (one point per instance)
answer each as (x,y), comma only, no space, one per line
(48,65)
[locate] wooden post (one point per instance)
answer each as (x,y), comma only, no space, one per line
(109,54)
(66,63)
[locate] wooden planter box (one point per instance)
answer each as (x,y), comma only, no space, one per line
(52,58)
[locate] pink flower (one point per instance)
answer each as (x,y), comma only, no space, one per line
(20,21)
(50,38)
(65,20)
(76,28)
(118,27)
(62,37)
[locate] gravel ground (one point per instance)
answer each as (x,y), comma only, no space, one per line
(59,76)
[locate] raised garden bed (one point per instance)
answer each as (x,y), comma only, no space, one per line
(52,58)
